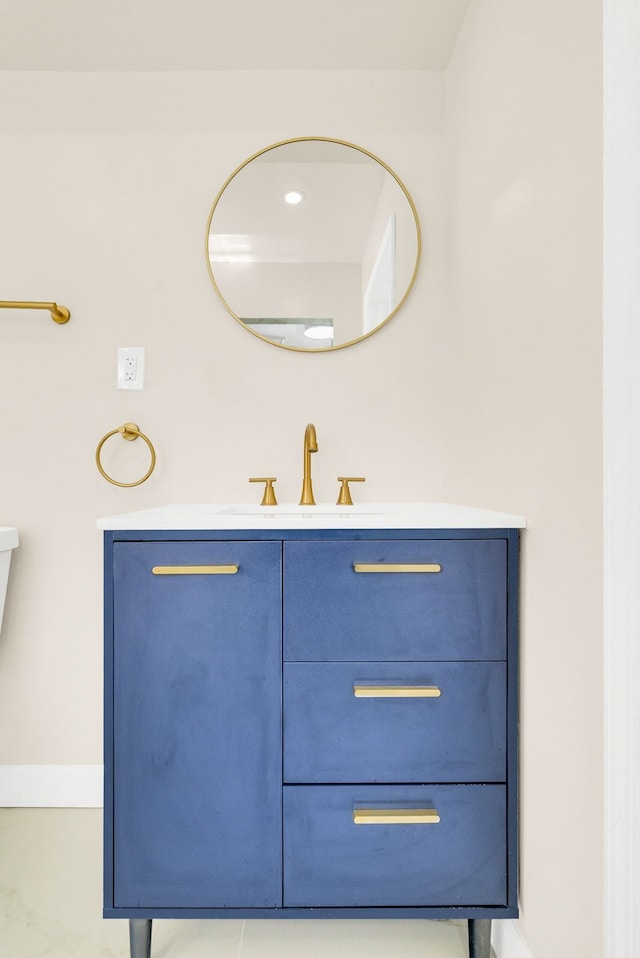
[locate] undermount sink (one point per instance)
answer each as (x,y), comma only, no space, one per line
(290,510)
(8,541)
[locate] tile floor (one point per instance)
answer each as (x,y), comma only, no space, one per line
(50,907)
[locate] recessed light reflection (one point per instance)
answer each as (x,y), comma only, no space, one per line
(293,197)
(319,332)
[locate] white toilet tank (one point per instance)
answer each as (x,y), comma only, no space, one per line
(8,541)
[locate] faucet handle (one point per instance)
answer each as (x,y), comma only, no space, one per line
(344,497)
(269,497)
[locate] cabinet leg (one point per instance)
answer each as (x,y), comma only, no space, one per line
(140,937)
(479,938)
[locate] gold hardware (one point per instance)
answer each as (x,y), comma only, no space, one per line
(195,569)
(344,496)
(312,139)
(396,567)
(59,314)
(397,691)
(395,816)
(310,445)
(269,497)
(128,431)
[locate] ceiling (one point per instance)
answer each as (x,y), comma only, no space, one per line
(167,35)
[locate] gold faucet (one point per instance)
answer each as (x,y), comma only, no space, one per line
(310,445)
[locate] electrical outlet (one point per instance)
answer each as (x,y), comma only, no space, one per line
(130,367)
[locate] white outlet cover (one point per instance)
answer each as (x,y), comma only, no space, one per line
(130,367)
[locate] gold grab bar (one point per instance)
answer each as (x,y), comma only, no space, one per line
(396,567)
(397,691)
(59,314)
(195,569)
(395,816)
(128,431)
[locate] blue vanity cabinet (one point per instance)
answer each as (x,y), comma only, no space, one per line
(311,724)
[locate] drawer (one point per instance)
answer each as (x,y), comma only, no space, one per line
(372,600)
(457,857)
(389,722)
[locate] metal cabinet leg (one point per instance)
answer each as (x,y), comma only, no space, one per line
(479,938)
(140,937)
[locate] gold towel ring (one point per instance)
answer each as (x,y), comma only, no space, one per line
(129,432)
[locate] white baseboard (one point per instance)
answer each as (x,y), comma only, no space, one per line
(507,941)
(50,786)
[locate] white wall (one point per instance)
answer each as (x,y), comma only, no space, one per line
(107,182)
(523,408)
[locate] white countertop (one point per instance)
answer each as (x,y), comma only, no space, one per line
(371,515)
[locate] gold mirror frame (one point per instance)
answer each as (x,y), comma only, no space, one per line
(311,139)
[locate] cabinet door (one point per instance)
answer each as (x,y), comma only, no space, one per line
(197,727)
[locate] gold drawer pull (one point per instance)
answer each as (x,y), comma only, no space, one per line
(396,567)
(396,691)
(195,569)
(395,816)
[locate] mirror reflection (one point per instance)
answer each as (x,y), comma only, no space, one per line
(313,244)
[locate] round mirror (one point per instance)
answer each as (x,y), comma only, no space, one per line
(313,244)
